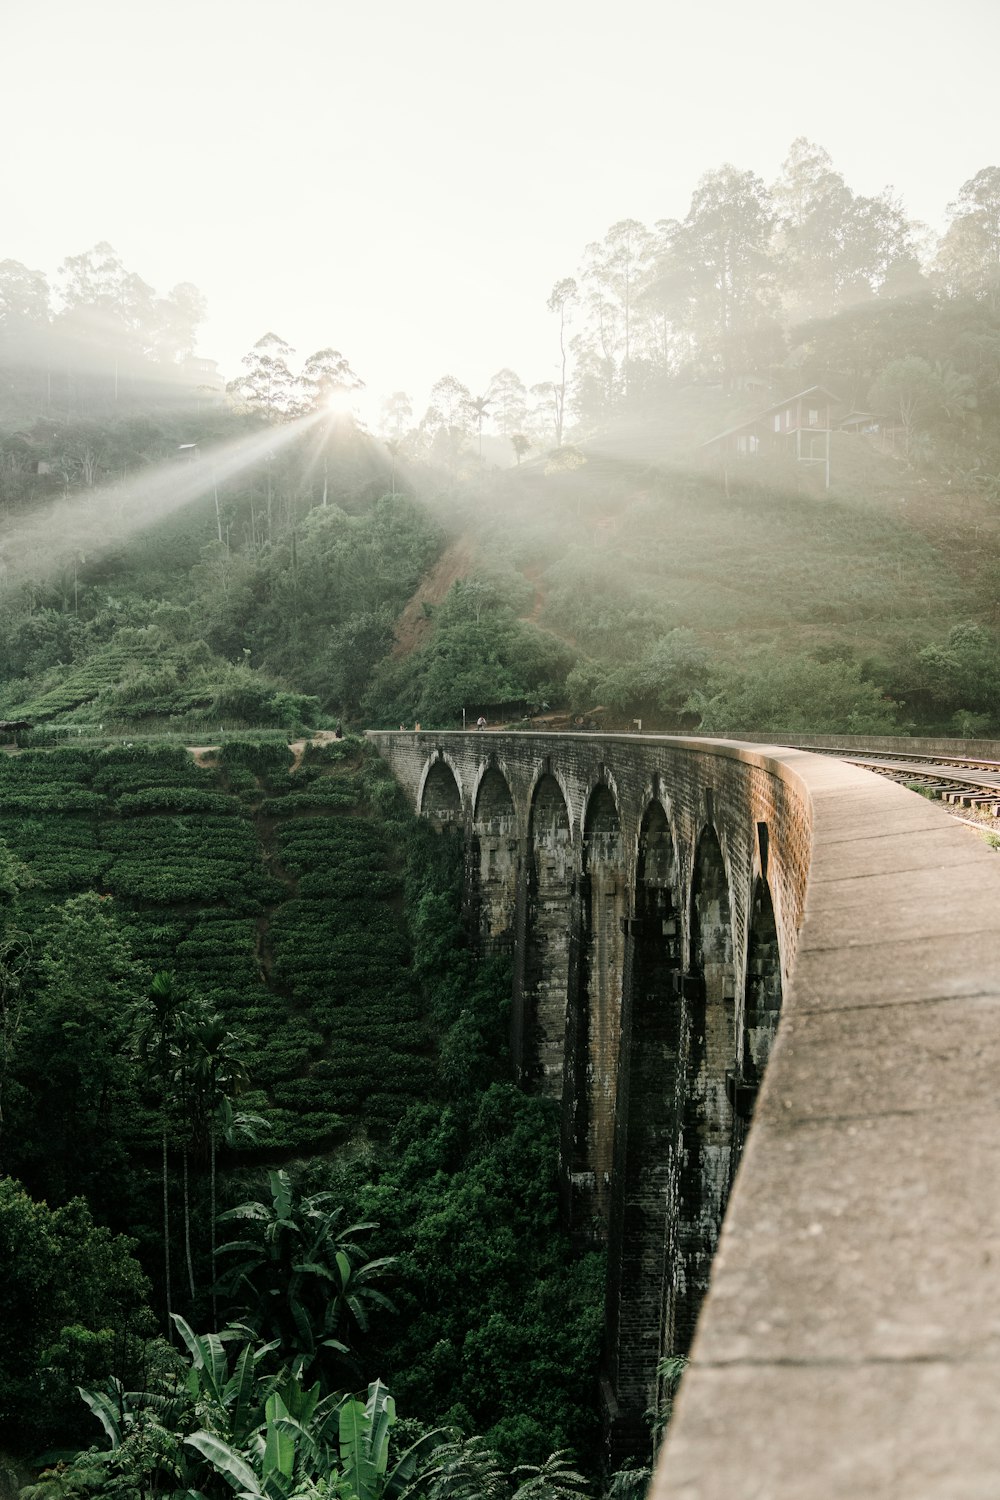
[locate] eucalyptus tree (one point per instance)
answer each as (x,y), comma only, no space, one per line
(267,385)
(721,256)
(508,396)
(395,415)
(97,286)
(882,248)
(546,414)
(177,318)
(969,255)
(562,299)
(812,204)
(614,272)
(450,397)
(24,297)
(327,381)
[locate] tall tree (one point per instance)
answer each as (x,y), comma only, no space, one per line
(158,1020)
(813,206)
(614,271)
(214,1057)
(178,316)
(396,415)
(14,953)
(100,293)
(562,299)
(74,1064)
(546,414)
(969,256)
(881,249)
(478,407)
(24,297)
(452,399)
(722,254)
(327,380)
(267,385)
(508,397)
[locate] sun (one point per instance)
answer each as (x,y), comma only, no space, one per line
(339,403)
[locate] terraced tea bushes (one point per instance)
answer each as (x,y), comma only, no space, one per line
(339,946)
(265,891)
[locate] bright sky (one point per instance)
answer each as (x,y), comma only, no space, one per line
(406,179)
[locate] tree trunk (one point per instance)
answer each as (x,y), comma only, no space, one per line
(211,1189)
(187,1224)
(166,1239)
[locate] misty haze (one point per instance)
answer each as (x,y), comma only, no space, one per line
(422,432)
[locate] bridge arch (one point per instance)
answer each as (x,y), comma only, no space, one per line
(542,994)
(493,861)
(492,798)
(440,795)
(706,1152)
(648,1110)
(762,995)
(594,1042)
(881,936)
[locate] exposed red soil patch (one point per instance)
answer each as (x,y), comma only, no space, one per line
(413,627)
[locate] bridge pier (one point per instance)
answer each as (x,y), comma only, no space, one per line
(628,917)
(646,1141)
(845,1344)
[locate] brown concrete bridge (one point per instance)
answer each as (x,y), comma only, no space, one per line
(666,900)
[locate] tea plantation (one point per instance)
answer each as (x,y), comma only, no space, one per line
(266,892)
(319,927)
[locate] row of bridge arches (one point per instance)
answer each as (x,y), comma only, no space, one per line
(634,1010)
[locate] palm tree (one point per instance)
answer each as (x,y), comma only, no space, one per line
(220,1074)
(158,1016)
(477,408)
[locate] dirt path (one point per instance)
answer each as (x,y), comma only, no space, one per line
(204,755)
(298,747)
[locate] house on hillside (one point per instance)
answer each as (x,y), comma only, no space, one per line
(800,427)
(882,432)
(204,373)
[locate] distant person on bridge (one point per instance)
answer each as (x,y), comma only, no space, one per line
(480,722)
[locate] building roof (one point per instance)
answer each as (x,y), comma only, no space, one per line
(810,390)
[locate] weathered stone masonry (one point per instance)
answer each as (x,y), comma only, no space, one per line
(631,875)
(849,1344)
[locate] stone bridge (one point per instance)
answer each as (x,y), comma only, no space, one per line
(666,900)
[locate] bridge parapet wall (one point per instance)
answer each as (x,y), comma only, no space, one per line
(699,783)
(849,1343)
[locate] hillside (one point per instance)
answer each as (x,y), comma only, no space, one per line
(661,588)
(263,888)
(312,928)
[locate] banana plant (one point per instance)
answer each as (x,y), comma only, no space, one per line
(298,1274)
(228,1398)
(337,1447)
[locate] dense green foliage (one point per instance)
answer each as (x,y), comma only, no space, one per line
(491,1302)
(72,1307)
(237,979)
(307,922)
(232,1422)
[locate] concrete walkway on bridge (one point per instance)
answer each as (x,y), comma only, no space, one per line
(849,1344)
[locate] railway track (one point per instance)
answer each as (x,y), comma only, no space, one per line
(961,782)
